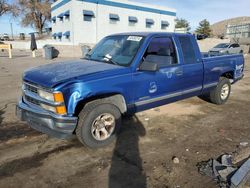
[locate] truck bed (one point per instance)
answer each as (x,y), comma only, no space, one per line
(216,66)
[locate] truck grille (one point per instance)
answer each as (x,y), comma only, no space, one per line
(30,88)
(27,87)
(31,100)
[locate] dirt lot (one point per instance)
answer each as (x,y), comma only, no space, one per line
(192,130)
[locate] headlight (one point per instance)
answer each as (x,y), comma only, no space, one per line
(46,95)
(56,97)
(49,108)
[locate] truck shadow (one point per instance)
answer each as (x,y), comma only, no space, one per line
(126,165)
(23,164)
(1,115)
(15,129)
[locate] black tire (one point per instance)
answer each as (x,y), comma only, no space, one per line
(215,95)
(87,117)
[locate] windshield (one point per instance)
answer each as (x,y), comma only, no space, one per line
(222,45)
(119,49)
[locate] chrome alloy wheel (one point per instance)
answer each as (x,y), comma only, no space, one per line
(103,126)
(224,91)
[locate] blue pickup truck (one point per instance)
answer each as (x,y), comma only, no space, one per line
(123,74)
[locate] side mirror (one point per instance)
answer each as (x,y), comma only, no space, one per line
(149,66)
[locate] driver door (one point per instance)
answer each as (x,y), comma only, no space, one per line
(158,87)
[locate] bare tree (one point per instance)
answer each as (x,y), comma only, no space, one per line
(35,13)
(5,8)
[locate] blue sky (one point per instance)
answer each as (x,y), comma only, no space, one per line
(192,10)
(213,10)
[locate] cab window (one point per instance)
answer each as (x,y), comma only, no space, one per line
(161,51)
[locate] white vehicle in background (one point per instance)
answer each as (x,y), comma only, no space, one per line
(225,48)
(4,37)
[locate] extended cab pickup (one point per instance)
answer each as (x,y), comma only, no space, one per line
(123,74)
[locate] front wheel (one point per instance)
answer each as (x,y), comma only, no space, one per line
(98,125)
(221,93)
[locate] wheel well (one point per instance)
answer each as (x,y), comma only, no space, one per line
(229,75)
(114,98)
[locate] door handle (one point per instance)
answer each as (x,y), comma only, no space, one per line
(178,72)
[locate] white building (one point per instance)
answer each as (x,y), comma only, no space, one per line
(88,21)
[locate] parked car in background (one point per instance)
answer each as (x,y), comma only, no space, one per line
(201,36)
(4,37)
(226,48)
(123,74)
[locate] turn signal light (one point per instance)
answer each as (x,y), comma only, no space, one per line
(58,97)
(61,110)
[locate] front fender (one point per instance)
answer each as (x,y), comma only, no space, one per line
(73,93)
(82,93)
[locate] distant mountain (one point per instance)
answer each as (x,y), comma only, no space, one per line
(220,27)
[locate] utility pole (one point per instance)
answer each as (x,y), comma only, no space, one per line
(11,28)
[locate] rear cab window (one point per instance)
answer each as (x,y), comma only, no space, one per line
(188,50)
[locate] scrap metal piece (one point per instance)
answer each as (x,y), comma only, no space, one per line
(226,160)
(241,175)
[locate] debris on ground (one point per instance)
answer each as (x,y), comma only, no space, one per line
(241,175)
(224,172)
(157,109)
(176,160)
(244,144)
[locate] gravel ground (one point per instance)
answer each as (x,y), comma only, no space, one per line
(192,130)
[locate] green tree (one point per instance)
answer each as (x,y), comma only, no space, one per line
(35,13)
(204,28)
(182,23)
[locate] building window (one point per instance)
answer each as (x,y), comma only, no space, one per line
(149,23)
(59,35)
(67,34)
(164,25)
(54,36)
(132,20)
(67,14)
(88,15)
(113,18)
(53,19)
(60,16)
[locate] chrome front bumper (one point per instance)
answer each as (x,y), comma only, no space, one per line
(46,122)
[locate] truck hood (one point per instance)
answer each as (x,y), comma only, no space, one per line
(50,75)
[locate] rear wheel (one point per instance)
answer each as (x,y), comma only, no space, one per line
(221,93)
(98,124)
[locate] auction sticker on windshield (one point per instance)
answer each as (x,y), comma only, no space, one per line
(134,38)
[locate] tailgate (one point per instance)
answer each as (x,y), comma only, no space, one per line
(239,67)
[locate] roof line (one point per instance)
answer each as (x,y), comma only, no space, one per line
(120,5)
